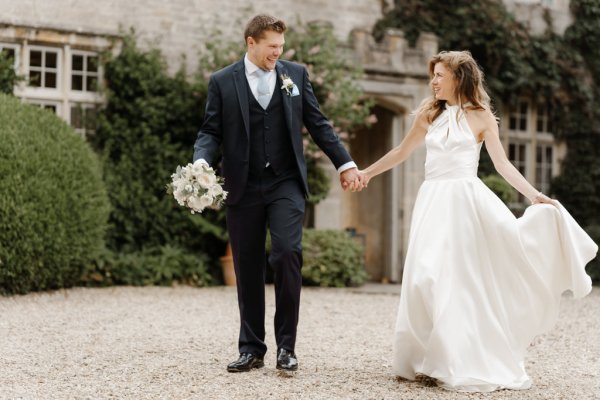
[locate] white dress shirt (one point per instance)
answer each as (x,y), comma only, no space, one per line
(253,78)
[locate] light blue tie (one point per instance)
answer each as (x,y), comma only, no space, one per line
(262,90)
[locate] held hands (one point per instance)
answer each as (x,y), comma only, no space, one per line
(354,180)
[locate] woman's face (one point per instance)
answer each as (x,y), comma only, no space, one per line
(443,84)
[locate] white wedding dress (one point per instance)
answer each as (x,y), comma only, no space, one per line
(479,284)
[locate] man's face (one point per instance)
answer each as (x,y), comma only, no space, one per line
(264,52)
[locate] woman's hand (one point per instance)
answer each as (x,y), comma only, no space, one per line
(361,182)
(541,198)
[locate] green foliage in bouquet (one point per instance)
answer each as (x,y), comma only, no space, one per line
(53,208)
(164,265)
(332,258)
(147,128)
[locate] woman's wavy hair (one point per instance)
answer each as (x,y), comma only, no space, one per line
(470,91)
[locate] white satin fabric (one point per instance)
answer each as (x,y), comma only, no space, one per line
(479,284)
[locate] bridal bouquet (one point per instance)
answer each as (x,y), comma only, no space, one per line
(196,186)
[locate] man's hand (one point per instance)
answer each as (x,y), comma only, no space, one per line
(350,179)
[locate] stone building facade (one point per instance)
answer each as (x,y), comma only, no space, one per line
(56,44)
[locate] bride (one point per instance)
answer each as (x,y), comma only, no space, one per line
(478,284)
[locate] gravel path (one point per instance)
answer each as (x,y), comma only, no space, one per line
(174,343)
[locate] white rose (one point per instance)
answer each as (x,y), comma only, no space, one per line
(206,200)
(180,197)
(195,203)
(207,180)
(215,190)
(196,169)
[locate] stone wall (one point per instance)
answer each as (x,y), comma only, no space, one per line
(182,26)
(531,14)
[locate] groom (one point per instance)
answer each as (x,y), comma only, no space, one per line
(255,111)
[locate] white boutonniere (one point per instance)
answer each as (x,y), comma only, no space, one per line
(287,84)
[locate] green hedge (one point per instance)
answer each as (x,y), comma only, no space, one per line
(147,128)
(53,203)
(165,265)
(331,258)
(500,187)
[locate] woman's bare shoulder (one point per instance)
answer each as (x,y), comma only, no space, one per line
(482,114)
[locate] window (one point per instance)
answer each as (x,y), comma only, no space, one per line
(518,117)
(83,118)
(517,154)
(52,106)
(84,72)
(62,71)
(543,166)
(544,125)
(43,67)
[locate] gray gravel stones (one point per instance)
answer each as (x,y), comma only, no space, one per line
(174,343)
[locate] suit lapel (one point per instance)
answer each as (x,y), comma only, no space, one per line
(287,100)
(241,87)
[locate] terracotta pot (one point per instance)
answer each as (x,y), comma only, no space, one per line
(227,266)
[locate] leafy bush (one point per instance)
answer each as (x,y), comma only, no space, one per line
(54,206)
(500,187)
(8,75)
(332,258)
(165,265)
(148,128)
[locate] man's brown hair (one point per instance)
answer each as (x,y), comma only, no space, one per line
(261,23)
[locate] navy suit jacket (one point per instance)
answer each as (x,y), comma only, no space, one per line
(226,125)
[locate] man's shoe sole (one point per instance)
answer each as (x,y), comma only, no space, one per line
(258,365)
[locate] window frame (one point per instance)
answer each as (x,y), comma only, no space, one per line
(84,74)
(84,132)
(59,67)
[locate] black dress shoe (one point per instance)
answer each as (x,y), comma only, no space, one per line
(286,360)
(246,362)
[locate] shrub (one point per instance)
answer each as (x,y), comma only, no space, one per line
(8,75)
(500,187)
(164,265)
(54,206)
(147,128)
(332,258)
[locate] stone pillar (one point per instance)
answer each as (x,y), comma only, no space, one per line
(428,44)
(395,44)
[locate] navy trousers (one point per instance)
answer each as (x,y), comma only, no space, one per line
(277,203)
